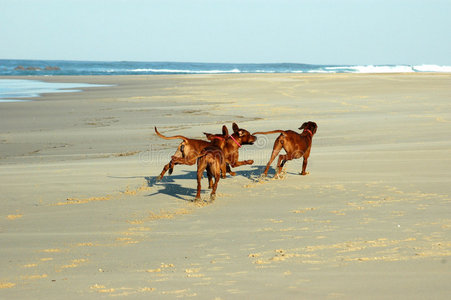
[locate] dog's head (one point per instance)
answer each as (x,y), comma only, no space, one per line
(218,139)
(310,126)
(246,138)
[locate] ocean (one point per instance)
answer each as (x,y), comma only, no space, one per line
(13,90)
(54,68)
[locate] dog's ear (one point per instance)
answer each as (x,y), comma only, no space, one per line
(303,126)
(209,135)
(235,127)
(225,131)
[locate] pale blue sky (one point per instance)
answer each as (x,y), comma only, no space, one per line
(304,31)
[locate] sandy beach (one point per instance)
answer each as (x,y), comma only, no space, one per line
(82,215)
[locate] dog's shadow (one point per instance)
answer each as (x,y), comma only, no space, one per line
(176,190)
(256,173)
(171,188)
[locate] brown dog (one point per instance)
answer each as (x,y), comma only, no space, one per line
(187,152)
(221,155)
(213,160)
(233,143)
(295,145)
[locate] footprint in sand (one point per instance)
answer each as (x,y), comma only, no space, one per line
(14,217)
(122,291)
(162,267)
(193,273)
(54,250)
(7,285)
(73,264)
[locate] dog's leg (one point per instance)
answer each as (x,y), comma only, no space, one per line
(199,178)
(165,168)
(304,163)
(175,161)
(210,177)
(237,164)
(178,161)
(201,165)
(229,170)
(216,172)
(223,168)
(276,149)
(177,158)
(242,163)
(171,166)
(304,166)
(281,162)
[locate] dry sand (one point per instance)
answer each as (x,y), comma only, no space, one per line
(81,215)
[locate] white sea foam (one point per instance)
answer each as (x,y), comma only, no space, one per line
(320,71)
(390,69)
(432,68)
(173,71)
(373,69)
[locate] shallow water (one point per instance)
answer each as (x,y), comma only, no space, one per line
(18,90)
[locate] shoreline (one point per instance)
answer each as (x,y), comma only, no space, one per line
(91,79)
(82,213)
(20,90)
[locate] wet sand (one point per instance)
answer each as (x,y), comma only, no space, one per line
(81,214)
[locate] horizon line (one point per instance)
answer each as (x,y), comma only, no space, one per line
(226,63)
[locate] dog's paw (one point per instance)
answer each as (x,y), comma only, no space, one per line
(304,173)
(249,162)
(232,173)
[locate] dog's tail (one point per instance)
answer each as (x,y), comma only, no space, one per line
(170,137)
(268,132)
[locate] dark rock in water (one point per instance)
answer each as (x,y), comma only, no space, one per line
(49,68)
